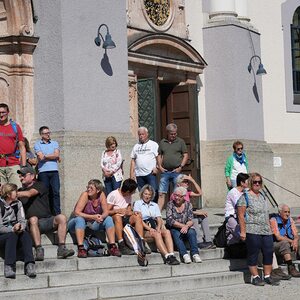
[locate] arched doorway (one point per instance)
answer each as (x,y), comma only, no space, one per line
(163,71)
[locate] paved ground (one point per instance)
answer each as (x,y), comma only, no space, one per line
(287,289)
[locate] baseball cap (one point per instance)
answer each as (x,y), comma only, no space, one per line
(25,170)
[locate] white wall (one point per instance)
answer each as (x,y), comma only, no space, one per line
(280,125)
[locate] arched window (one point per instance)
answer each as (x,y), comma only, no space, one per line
(295,39)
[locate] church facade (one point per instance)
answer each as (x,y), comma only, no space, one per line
(178,61)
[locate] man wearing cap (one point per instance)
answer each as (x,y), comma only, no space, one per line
(34,197)
(48,154)
(12,148)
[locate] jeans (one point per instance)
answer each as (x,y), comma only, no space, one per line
(11,240)
(51,181)
(148,179)
(165,179)
(111,184)
(81,223)
(179,238)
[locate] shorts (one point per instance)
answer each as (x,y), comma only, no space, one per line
(165,179)
(46,224)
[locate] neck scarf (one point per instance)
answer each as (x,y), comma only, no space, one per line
(240,158)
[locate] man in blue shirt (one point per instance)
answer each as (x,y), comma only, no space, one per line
(47,152)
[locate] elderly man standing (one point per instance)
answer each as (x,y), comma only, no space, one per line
(172,157)
(12,148)
(286,238)
(144,160)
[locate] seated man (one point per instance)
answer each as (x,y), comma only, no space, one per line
(119,206)
(34,197)
(286,238)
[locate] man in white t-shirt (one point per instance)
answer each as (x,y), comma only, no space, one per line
(119,206)
(144,160)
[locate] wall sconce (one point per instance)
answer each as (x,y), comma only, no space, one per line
(108,43)
(260,70)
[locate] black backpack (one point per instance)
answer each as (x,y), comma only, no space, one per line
(220,239)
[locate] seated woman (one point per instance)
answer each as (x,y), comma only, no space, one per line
(91,210)
(180,222)
(13,234)
(153,224)
(200,216)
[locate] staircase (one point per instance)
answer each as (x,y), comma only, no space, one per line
(114,277)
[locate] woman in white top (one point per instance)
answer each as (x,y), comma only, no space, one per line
(111,164)
(232,226)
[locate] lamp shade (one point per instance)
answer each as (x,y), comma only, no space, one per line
(261,70)
(108,43)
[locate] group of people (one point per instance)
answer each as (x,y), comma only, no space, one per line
(248,221)
(30,182)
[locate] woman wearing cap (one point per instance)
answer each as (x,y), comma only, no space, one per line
(153,224)
(12,232)
(91,211)
(253,215)
(180,222)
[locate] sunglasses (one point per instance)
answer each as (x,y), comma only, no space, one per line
(238,149)
(257,182)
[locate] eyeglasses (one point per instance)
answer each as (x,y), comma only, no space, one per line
(178,196)
(3,112)
(239,149)
(257,182)
(23,175)
(46,133)
(90,187)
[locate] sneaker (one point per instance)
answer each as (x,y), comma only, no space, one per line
(196,258)
(39,254)
(124,249)
(257,281)
(171,260)
(280,275)
(9,271)
(29,270)
(147,248)
(271,281)
(293,271)
(82,253)
(63,252)
(186,259)
(114,251)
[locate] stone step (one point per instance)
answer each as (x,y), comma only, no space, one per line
(167,285)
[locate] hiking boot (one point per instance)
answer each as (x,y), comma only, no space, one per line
(9,271)
(271,281)
(39,253)
(147,248)
(186,259)
(196,258)
(124,249)
(293,271)
(279,274)
(114,251)
(257,281)
(29,270)
(82,253)
(171,260)
(63,252)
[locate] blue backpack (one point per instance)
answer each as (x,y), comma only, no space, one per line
(15,129)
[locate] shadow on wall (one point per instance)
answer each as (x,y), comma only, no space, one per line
(105,65)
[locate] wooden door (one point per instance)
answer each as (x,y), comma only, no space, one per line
(181,108)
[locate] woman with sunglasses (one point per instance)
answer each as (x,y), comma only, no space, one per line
(255,229)
(236,163)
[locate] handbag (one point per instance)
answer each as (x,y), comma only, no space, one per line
(151,222)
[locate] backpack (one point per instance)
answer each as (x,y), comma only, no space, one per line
(94,246)
(220,239)
(133,241)
(15,129)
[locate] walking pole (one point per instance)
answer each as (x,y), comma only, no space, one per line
(271,196)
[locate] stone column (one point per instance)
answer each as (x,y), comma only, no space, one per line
(222,10)
(241,9)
